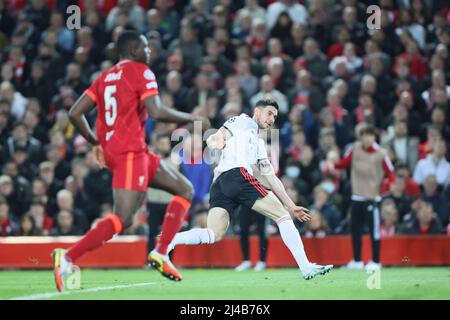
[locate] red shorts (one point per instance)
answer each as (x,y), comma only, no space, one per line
(132,170)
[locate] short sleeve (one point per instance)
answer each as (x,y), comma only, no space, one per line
(232,125)
(92,91)
(262,150)
(146,83)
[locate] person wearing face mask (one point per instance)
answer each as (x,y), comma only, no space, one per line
(369,163)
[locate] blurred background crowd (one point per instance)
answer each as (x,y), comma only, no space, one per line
(328,71)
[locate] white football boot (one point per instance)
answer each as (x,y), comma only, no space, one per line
(316,269)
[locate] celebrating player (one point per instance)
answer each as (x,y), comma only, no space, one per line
(235,184)
(124,95)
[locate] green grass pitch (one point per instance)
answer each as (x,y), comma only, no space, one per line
(395,283)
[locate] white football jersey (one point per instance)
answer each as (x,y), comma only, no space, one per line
(244,148)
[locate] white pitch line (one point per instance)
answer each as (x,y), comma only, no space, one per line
(65,293)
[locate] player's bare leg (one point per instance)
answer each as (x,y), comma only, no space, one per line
(217,226)
(271,207)
(175,183)
(126,203)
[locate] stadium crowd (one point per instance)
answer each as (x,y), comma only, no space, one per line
(328,71)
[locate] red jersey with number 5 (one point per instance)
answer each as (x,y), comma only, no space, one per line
(119,94)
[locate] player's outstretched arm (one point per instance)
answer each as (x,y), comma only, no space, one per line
(83,105)
(158,111)
(266,169)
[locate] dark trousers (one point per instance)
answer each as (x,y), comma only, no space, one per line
(155,221)
(247,217)
(365,213)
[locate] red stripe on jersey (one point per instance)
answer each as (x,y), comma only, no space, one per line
(129,171)
(263,192)
(91,95)
(149,93)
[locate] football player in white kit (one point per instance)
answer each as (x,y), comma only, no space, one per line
(235,184)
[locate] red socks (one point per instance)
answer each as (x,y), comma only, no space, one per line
(111,225)
(175,212)
(105,229)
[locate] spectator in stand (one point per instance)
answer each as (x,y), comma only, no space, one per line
(275,68)
(389,218)
(53,185)
(267,88)
(306,93)
(133,12)
(293,45)
(257,39)
(189,45)
(402,147)
(434,164)
(252,9)
(65,201)
(402,171)
(20,137)
(425,222)
(22,192)
(199,94)
(315,60)
(296,11)
(317,227)
(35,127)
(42,220)
(197,169)
(27,227)
(322,203)
(247,81)
(439,119)
(6,218)
(65,225)
(433,195)
(349,57)
(281,29)
(407,23)
(433,135)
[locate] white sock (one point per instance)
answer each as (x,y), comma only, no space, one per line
(194,236)
(292,240)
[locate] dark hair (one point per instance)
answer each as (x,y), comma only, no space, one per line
(127,40)
(368,129)
(432,126)
(266,102)
(19,123)
(5,101)
(401,166)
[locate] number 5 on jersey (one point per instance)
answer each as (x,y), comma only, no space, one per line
(110,108)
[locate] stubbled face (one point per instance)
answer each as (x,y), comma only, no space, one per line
(265,117)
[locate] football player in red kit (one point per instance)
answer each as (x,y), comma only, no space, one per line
(125,95)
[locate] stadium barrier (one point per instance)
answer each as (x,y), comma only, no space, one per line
(130,252)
